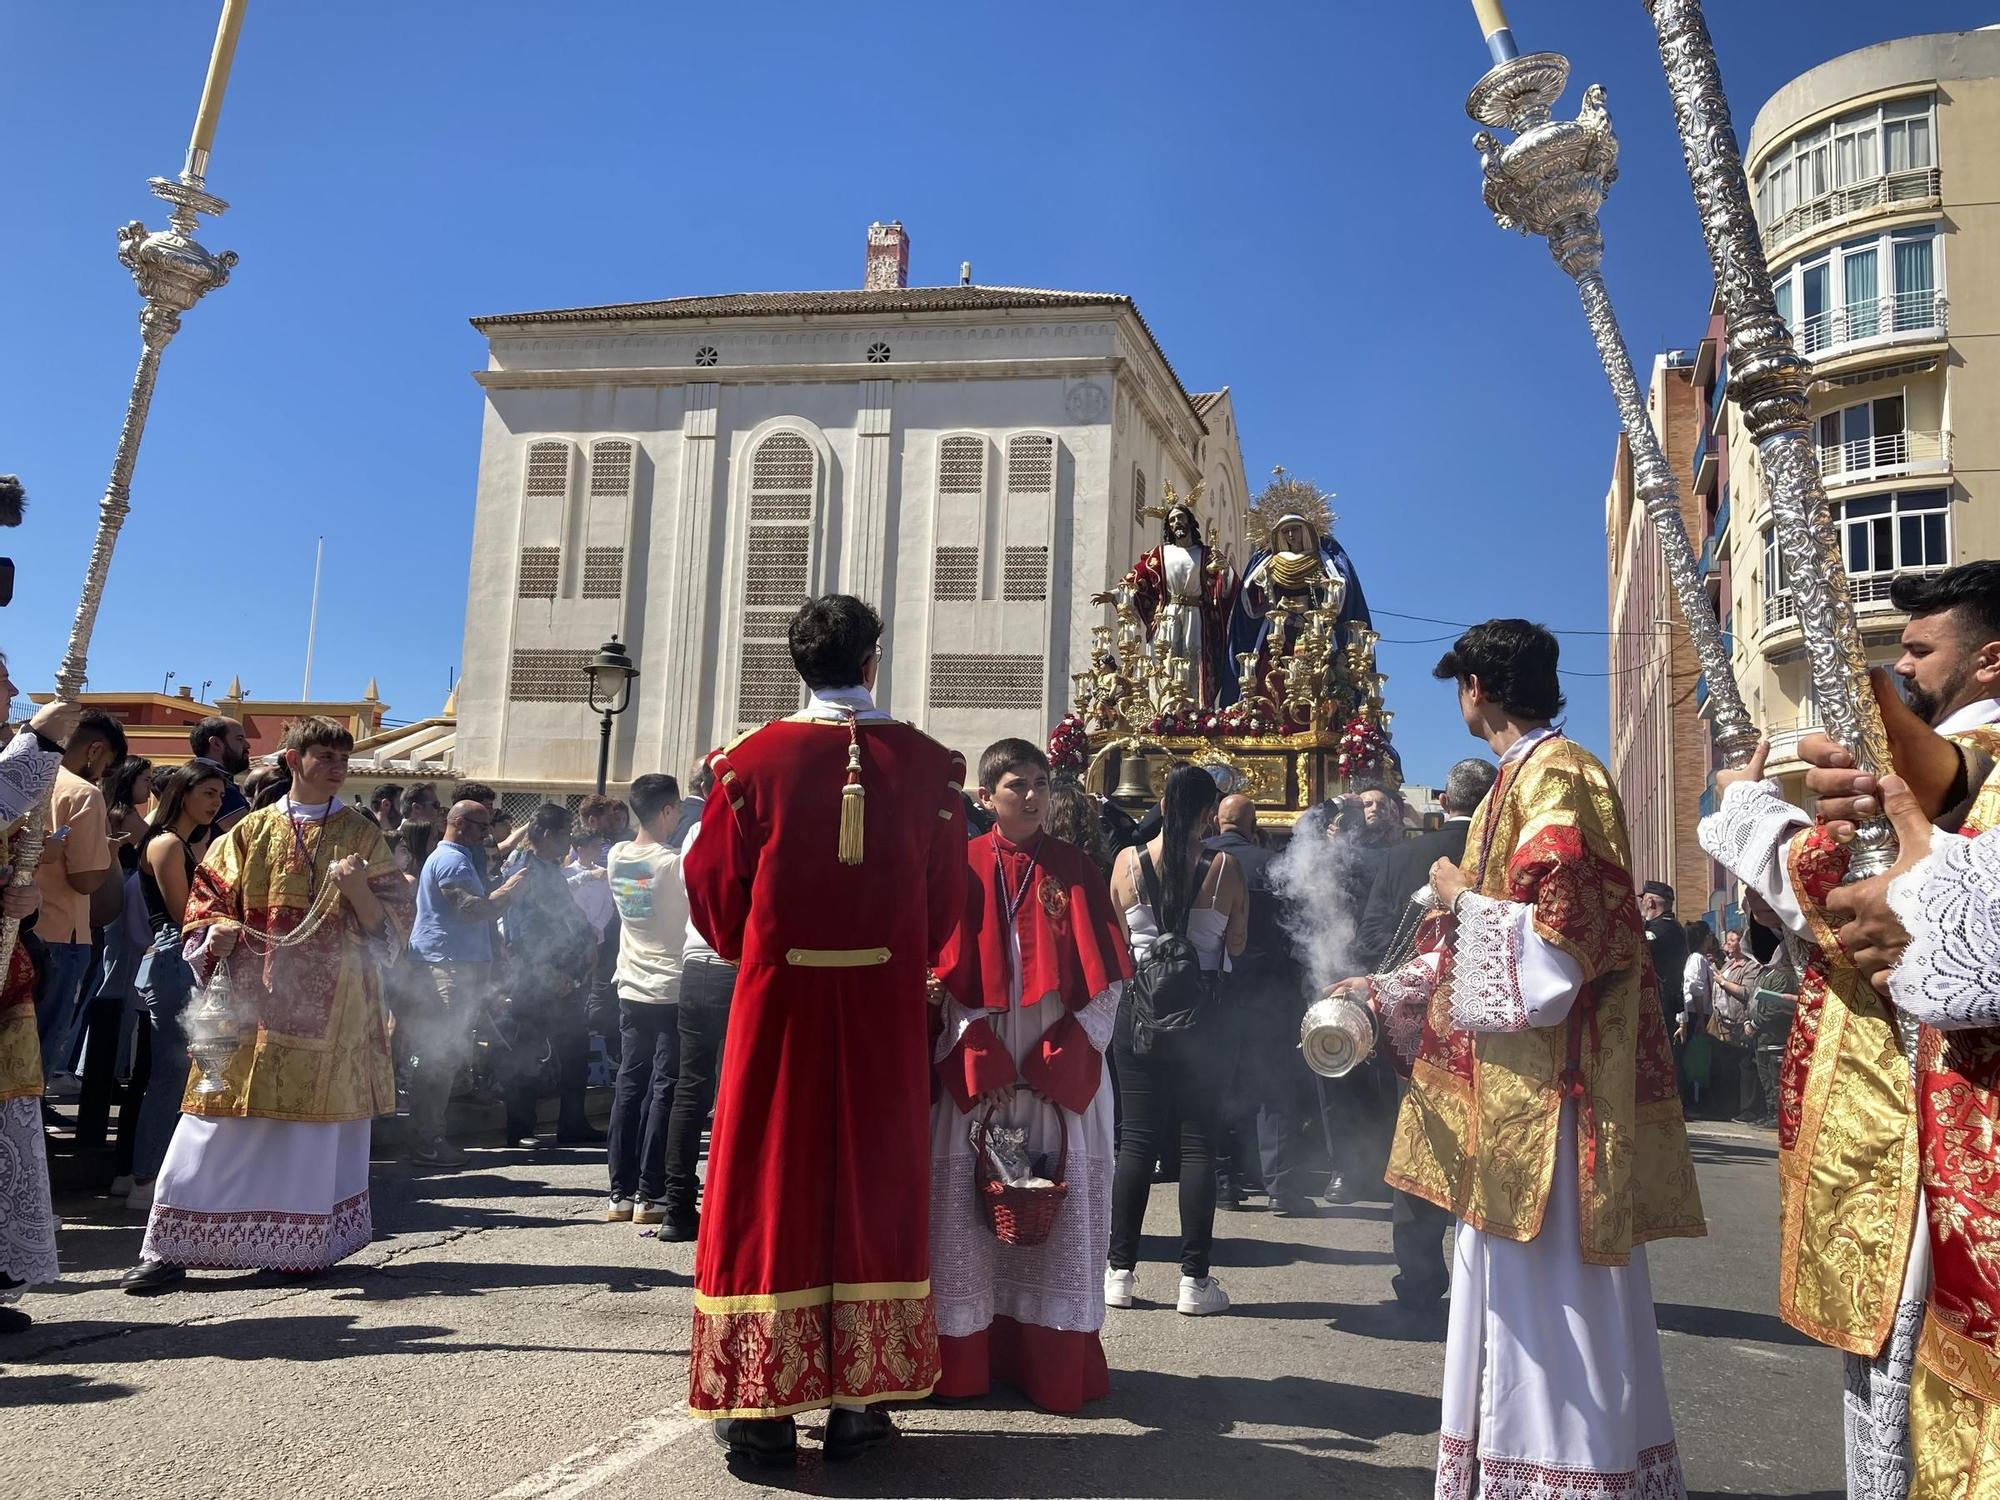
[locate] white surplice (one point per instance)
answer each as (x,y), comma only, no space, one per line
(1553,1388)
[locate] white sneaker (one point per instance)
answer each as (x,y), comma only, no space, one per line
(1201,1296)
(121,1184)
(618,1211)
(140,1199)
(1118,1287)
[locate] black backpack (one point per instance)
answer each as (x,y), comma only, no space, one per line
(1169,992)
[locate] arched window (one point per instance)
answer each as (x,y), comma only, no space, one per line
(611,461)
(1031,464)
(777,573)
(961,488)
(548,471)
(545,499)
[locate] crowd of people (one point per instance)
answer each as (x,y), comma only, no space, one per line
(1031,1008)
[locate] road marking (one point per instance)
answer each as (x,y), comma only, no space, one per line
(583,1472)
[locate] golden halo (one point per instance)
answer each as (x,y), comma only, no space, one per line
(1288,496)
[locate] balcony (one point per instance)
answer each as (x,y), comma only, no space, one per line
(1918,186)
(1704,455)
(1905,318)
(1867,592)
(1884,457)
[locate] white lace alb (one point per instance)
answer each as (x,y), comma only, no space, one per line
(1747,835)
(27,1222)
(1949,903)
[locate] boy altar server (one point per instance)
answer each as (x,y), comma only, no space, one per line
(1028,992)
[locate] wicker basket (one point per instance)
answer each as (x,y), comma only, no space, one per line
(1019,1215)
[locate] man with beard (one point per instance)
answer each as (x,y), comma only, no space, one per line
(1950,664)
(222,741)
(1183,591)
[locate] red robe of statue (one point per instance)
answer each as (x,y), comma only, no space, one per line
(812,1270)
(1031,1002)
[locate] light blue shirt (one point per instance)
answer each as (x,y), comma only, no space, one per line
(441,935)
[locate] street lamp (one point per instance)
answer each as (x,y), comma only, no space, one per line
(610,673)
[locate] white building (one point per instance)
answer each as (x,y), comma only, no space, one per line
(682,474)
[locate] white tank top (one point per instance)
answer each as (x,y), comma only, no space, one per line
(1206,927)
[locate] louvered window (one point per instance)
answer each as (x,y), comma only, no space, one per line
(1138,493)
(548,471)
(1031,464)
(777,573)
(1027,579)
(603,572)
(548,677)
(962,466)
(611,468)
(978,681)
(956,574)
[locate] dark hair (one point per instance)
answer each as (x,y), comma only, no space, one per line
(276,782)
(594,806)
(832,638)
(1973,588)
(1515,662)
(1700,936)
(648,795)
(172,789)
(418,840)
(117,783)
(422,790)
(702,782)
(1166,520)
(475,791)
(96,724)
(548,820)
(387,789)
(1074,819)
(214,727)
(1190,792)
(315,732)
(1002,756)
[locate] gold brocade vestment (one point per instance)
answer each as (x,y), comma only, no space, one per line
(1478,1131)
(315,1040)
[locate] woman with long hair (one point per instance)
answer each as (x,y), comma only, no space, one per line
(1171,885)
(127,789)
(1073,819)
(188,801)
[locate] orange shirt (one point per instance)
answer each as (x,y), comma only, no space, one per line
(78,806)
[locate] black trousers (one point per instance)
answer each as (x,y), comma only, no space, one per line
(648,1065)
(548,1024)
(1417,1228)
(1184,1084)
(706,989)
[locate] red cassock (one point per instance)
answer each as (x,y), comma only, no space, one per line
(812,1273)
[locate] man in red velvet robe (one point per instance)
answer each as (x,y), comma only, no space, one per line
(1028,992)
(831,870)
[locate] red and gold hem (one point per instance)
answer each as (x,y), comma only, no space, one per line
(777,1354)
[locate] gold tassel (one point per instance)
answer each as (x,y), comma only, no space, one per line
(851,800)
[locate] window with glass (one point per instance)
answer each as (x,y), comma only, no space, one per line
(1774,565)
(1863,288)
(1857,157)
(1868,435)
(1907,532)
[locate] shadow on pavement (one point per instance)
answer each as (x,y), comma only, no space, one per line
(1709,1151)
(1727,1323)
(58,1390)
(1243,1251)
(450,1278)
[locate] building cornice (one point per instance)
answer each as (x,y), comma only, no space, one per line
(808,374)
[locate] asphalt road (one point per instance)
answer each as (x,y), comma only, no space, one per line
(499,1340)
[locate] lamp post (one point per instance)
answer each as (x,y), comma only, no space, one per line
(610,674)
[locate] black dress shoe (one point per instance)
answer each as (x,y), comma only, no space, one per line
(1295,1208)
(151,1277)
(1337,1190)
(13,1320)
(767,1442)
(851,1433)
(678,1231)
(526,1140)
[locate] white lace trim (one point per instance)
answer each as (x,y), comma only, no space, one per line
(1875,1413)
(1747,832)
(1058,1284)
(27,771)
(1949,903)
(957,1021)
(1486,966)
(1462,1473)
(27,1220)
(1100,1018)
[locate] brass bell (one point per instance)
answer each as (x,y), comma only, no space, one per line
(1135,777)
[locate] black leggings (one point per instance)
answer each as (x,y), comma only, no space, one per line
(1153,1091)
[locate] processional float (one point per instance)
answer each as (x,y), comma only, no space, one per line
(172,272)
(1550,180)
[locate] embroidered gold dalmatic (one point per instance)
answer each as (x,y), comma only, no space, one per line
(315,1044)
(1477,1133)
(20,1047)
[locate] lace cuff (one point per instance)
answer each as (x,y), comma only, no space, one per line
(1486,966)
(1403,1000)
(1100,1018)
(1747,835)
(957,1021)
(27,771)
(1949,903)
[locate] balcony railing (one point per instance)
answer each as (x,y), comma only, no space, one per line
(1868,592)
(1884,455)
(1887,320)
(1878,192)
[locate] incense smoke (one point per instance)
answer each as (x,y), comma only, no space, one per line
(1313,878)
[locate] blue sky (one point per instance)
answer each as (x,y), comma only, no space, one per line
(1289,191)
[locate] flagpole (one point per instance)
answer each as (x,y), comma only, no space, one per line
(312,621)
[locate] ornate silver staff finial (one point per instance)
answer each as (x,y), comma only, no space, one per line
(1767,381)
(1550,180)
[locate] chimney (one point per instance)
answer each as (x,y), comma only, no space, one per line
(888,258)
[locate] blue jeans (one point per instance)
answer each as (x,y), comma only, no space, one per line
(55,1002)
(165,991)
